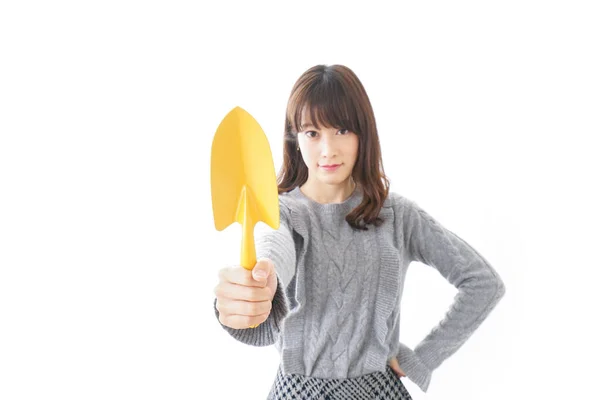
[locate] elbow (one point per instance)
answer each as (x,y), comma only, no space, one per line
(492,288)
(496,290)
(500,288)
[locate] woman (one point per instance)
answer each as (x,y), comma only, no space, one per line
(327,286)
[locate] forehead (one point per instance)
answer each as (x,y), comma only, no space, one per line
(307,122)
(305,118)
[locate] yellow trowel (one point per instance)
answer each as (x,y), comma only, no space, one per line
(243,181)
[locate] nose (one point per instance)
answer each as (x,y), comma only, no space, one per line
(328,146)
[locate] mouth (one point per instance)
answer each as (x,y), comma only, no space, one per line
(330,167)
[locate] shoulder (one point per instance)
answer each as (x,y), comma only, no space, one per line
(398,202)
(286,202)
(294,212)
(405,210)
(289,205)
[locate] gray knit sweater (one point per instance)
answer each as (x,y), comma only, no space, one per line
(336,311)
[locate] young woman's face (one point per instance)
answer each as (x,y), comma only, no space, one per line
(329,153)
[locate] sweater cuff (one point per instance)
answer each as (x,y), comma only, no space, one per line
(414,367)
(266,333)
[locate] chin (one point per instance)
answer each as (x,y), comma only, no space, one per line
(333,180)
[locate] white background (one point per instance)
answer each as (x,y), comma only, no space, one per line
(488,114)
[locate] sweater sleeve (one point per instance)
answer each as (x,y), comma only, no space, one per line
(277,245)
(479,286)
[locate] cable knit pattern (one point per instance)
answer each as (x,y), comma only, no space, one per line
(336,312)
(340,277)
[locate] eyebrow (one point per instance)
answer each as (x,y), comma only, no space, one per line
(306,125)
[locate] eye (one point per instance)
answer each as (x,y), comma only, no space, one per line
(309,134)
(346,131)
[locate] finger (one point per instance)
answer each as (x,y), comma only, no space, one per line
(244,308)
(240,276)
(242,321)
(263,269)
(396,367)
(394,364)
(245,293)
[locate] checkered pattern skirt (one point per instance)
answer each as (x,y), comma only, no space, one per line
(374,386)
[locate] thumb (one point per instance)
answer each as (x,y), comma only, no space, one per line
(262,270)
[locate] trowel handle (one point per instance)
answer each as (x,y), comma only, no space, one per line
(248,255)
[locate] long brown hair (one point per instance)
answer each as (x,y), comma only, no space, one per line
(335,97)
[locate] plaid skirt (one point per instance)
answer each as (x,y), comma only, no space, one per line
(374,386)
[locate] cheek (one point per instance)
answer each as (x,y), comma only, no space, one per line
(307,156)
(313,160)
(310,156)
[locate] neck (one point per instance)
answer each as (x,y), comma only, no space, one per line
(329,193)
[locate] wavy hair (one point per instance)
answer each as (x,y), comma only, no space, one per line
(335,97)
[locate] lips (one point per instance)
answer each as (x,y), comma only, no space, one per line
(331,167)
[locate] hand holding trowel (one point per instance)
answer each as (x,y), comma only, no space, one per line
(243,181)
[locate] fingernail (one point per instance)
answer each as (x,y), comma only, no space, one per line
(260,274)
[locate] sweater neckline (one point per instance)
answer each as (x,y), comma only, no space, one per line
(344,206)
